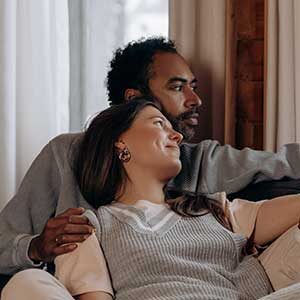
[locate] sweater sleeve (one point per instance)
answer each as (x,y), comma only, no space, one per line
(242,215)
(26,214)
(85,270)
(208,167)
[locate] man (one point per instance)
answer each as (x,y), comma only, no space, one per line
(30,235)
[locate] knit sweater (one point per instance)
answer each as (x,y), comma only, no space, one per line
(187,258)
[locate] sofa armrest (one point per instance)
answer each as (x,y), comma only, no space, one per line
(268,190)
(3,281)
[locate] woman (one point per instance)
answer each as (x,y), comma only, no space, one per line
(152,247)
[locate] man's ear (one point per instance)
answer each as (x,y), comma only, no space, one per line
(131,94)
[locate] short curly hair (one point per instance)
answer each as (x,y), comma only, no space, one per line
(131,66)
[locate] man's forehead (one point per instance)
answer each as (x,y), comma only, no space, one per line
(170,65)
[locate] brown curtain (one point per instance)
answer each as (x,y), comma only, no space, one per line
(203,32)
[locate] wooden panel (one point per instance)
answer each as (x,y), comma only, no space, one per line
(250,60)
(249,73)
(250,19)
(250,101)
(250,135)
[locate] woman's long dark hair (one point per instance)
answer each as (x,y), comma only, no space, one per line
(98,170)
(100,173)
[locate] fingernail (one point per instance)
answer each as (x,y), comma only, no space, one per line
(73,246)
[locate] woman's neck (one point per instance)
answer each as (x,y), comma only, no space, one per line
(152,190)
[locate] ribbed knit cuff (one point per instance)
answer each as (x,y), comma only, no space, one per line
(20,252)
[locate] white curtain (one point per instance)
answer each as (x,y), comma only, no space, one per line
(282,92)
(34,83)
(54,58)
(96,30)
(199,29)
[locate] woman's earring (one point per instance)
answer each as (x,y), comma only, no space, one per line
(124,155)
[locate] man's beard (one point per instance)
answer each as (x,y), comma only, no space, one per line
(188,130)
(179,124)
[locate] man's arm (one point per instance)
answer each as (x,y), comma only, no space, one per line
(208,167)
(25,217)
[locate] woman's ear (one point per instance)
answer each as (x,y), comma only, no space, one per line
(120,145)
(123,152)
(131,94)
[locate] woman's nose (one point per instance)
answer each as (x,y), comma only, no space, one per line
(176,136)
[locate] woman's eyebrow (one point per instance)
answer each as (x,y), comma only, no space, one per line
(164,119)
(160,117)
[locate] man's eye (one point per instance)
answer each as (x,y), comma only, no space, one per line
(177,88)
(194,87)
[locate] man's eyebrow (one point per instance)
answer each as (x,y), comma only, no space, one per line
(181,79)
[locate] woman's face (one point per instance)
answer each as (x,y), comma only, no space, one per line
(153,144)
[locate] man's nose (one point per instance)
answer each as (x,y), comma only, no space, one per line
(192,99)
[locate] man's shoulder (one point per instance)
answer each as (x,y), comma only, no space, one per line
(205,144)
(64,146)
(66,140)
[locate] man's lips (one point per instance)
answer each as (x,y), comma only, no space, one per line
(192,120)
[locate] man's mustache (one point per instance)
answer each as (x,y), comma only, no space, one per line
(188,114)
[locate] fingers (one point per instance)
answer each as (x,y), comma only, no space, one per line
(79,219)
(70,238)
(72,211)
(64,249)
(60,235)
(62,220)
(74,229)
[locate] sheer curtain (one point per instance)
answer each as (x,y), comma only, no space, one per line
(96,30)
(282,92)
(54,57)
(34,89)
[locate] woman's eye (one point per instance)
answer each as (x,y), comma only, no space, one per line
(159,122)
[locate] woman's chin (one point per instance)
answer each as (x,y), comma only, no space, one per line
(173,170)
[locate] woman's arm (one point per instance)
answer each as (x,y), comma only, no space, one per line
(84,271)
(94,296)
(276,216)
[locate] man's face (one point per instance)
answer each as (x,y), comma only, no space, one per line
(173,84)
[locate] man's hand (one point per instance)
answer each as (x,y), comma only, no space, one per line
(60,235)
